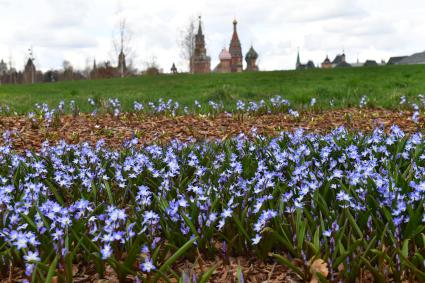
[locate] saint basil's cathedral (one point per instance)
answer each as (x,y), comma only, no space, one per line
(230,60)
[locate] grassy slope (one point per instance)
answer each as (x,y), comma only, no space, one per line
(383,86)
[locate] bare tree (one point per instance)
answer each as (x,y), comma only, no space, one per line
(151,66)
(187,42)
(122,45)
(68,70)
(87,68)
(12,69)
(67,66)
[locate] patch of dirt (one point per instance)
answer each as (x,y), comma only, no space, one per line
(161,129)
(228,270)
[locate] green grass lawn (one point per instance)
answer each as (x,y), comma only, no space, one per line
(383,85)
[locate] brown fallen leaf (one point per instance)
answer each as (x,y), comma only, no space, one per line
(318,266)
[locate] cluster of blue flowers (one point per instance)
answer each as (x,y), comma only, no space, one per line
(342,197)
(274,105)
(45,113)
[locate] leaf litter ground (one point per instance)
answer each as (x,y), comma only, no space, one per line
(162,129)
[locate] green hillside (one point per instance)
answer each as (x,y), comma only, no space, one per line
(383,85)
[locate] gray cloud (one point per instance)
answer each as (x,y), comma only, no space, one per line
(312,11)
(361,27)
(65,39)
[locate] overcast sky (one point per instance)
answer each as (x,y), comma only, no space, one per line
(80,30)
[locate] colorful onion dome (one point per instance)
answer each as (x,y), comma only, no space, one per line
(225,55)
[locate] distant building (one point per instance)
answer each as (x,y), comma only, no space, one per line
(310,65)
(251,60)
(231,60)
(340,61)
(417,58)
(29,74)
(340,58)
(173,69)
(326,64)
(370,63)
(3,68)
(235,50)
(343,65)
(200,62)
(300,66)
(225,62)
(395,60)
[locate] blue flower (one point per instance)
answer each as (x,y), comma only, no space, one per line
(106,251)
(32,256)
(147,266)
(256,239)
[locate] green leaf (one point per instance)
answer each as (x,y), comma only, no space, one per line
(405,249)
(109,193)
(53,189)
(301,229)
(52,269)
(370,244)
(206,276)
(133,252)
(68,262)
(354,223)
(190,224)
(29,221)
(347,253)
(239,274)
(69,258)
(241,228)
(316,240)
(180,252)
(412,267)
(45,222)
(282,239)
(284,261)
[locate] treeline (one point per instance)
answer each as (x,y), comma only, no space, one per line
(104,70)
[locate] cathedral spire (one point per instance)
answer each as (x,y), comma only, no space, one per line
(235,49)
(200,26)
(200,62)
(235,37)
(298,59)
